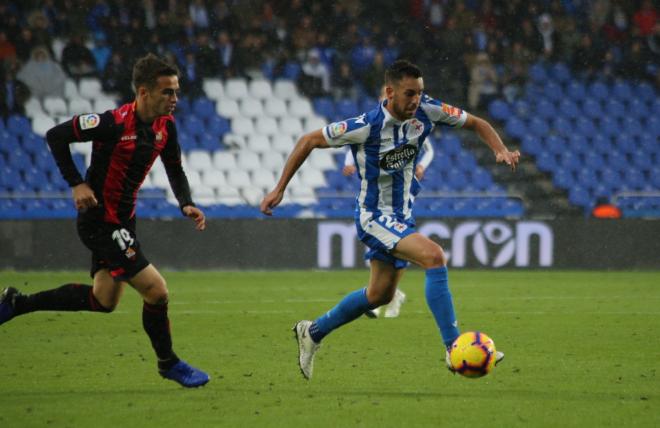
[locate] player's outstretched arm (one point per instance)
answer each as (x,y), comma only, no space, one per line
(486,132)
(302,149)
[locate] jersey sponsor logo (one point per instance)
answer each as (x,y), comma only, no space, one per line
(396,159)
(128,137)
(159,136)
(451,110)
(89,121)
(337,129)
(414,128)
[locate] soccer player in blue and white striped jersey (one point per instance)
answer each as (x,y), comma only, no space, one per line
(385,143)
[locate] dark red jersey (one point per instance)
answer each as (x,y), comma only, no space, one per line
(124,149)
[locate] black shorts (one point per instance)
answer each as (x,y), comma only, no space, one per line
(114,246)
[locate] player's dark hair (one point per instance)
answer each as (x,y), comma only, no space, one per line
(400,69)
(149,68)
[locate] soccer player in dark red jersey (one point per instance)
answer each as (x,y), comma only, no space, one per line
(126,143)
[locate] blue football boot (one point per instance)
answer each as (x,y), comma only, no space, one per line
(186,375)
(7,304)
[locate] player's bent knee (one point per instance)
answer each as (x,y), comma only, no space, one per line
(434,259)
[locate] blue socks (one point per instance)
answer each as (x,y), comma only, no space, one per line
(438,297)
(351,307)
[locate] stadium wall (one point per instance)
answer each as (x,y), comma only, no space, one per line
(332,244)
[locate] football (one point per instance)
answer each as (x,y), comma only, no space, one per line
(473,354)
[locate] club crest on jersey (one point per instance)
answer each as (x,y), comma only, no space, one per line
(414,128)
(396,159)
(337,129)
(89,121)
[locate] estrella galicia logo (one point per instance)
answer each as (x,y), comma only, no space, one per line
(396,159)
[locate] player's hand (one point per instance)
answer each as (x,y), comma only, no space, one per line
(419,172)
(83,197)
(348,170)
(270,201)
(509,158)
(197,215)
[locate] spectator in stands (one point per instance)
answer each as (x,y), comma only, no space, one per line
(77,60)
(549,37)
(588,59)
(24,45)
(7,48)
(101,51)
(314,80)
(645,19)
(199,14)
(205,56)
(117,77)
(343,83)
(373,77)
(191,81)
(633,65)
(13,92)
(483,82)
(225,53)
(42,75)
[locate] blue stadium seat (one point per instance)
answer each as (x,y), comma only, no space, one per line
(600,143)
(346,108)
(593,160)
(646,92)
(580,196)
(450,143)
(599,90)
(546,109)
(203,107)
(569,109)
(642,160)
(324,106)
(585,126)
(592,108)
(466,160)
(601,190)
(652,125)
(546,161)
(655,177)
(515,127)
(634,179)
(210,142)
(457,179)
(622,90)
(615,108)
(608,126)
(182,107)
(291,70)
(538,73)
(649,142)
(563,177)
(587,178)
(218,126)
(555,144)
(499,110)
(625,143)
(560,72)
(522,108)
(531,144)
(636,108)
(194,125)
(20,160)
(35,178)
(10,143)
(368,103)
(610,177)
(617,160)
(481,179)
(576,91)
(553,91)
(571,161)
(631,125)
(19,125)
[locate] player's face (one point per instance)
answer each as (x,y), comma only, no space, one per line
(162,99)
(404,97)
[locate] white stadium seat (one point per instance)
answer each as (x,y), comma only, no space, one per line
(322,160)
(41,124)
(291,126)
(159,178)
(273,161)
(70,89)
(303,196)
(213,88)
(266,126)
(275,107)
(238,178)
(248,160)
(313,123)
(33,108)
(258,143)
(213,178)
(300,107)
(285,89)
(90,88)
(229,196)
(313,178)
(224,160)
(263,179)
(253,195)
(233,140)
(55,106)
(203,195)
(242,126)
(260,88)
(194,179)
(236,88)
(199,160)
(283,143)
(103,104)
(79,106)
(251,107)
(228,108)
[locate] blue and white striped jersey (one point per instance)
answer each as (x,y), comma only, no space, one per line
(385,150)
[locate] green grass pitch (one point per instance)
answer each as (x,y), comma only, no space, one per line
(582,350)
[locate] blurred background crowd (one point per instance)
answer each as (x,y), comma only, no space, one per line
(471,50)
